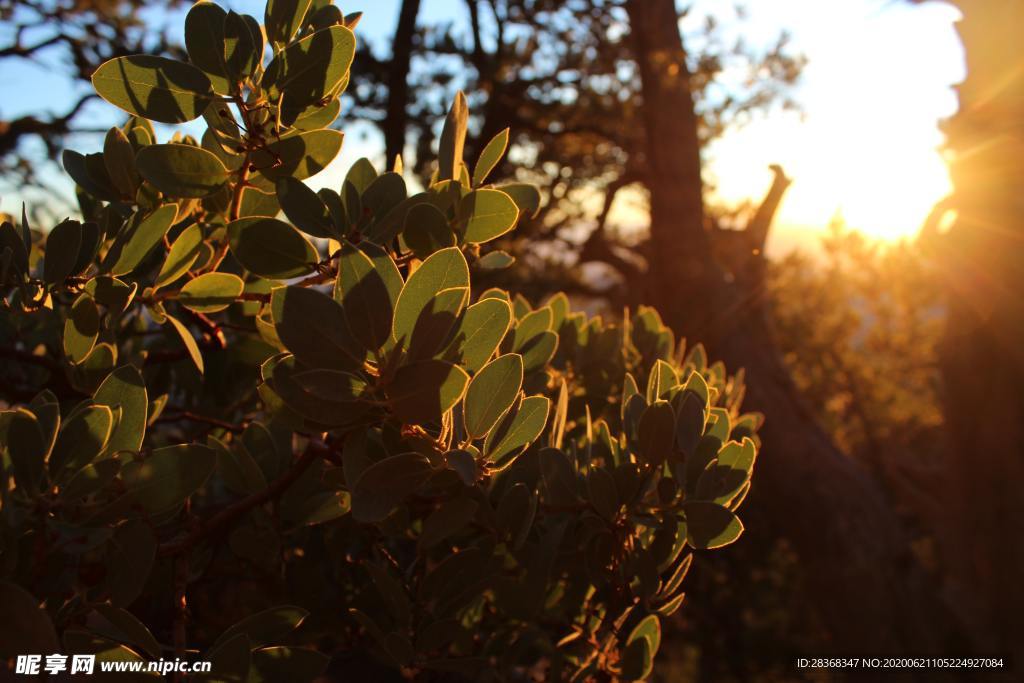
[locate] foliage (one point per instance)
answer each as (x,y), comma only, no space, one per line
(860,328)
(227,423)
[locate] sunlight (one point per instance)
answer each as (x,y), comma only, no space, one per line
(885,189)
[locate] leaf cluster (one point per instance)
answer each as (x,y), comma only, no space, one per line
(478,484)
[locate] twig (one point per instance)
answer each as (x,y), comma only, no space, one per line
(220,521)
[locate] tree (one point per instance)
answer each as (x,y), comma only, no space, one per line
(78,36)
(278,442)
(562,76)
(870,591)
(981,355)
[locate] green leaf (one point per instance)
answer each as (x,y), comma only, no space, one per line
(558,476)
(139,239)
(453,140)
(132,555)
(445,269)
(529,326)
(637,660)
(490,157)
(119,160)
(309,69)
(10,239)
(299,156)
(266,627)
(154,88)
(539,350)
(495,260)
(648,632)
(271,248)
(255,202)
(491,392)
(447,520)
(361,175)
(111,292)
(189,341)
(89,247)
(283,18)
(82,439)
(661,380)
(331,385)
(183,253)
(725,479)
(313,327)
(304,208)
(483,326)
(318,115)
(710,525)
(363,292)
(211,292)
(181,170)
(424,391)
(690,420)
(62,246)
(518,429)
(124,388)
(487,214)
(463,463)
(90,173)
(26,446)
(304,391)
(26,627)
(171,474)
(601,492)
(204,41)
(386,483)
(515,513)
(526,197)
(382,195)
(81,329)
(435,323)
(243,45)
(656,432)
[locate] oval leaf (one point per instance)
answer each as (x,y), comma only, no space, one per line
(491,392)
(271,248)
(154,88)
(211,292)
(181,170)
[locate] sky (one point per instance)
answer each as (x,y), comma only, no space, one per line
(865,145)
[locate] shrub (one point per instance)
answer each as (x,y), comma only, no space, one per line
(225,417)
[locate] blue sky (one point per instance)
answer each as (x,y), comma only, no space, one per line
(865,146)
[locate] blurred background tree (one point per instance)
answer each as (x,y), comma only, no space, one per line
(75,36)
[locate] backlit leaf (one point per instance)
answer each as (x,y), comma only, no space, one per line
(491,392)
(181,170)
(423,391)
(155,88)
(211,292)
(271,248)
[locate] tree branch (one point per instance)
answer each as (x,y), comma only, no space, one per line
(219,523)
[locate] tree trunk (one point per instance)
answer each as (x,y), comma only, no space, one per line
(870,593)
(983,354)
(396,116)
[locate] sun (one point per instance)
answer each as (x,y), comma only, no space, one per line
(884,183)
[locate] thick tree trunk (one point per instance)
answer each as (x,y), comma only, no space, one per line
(983,355)
(396,116)
(871,595)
